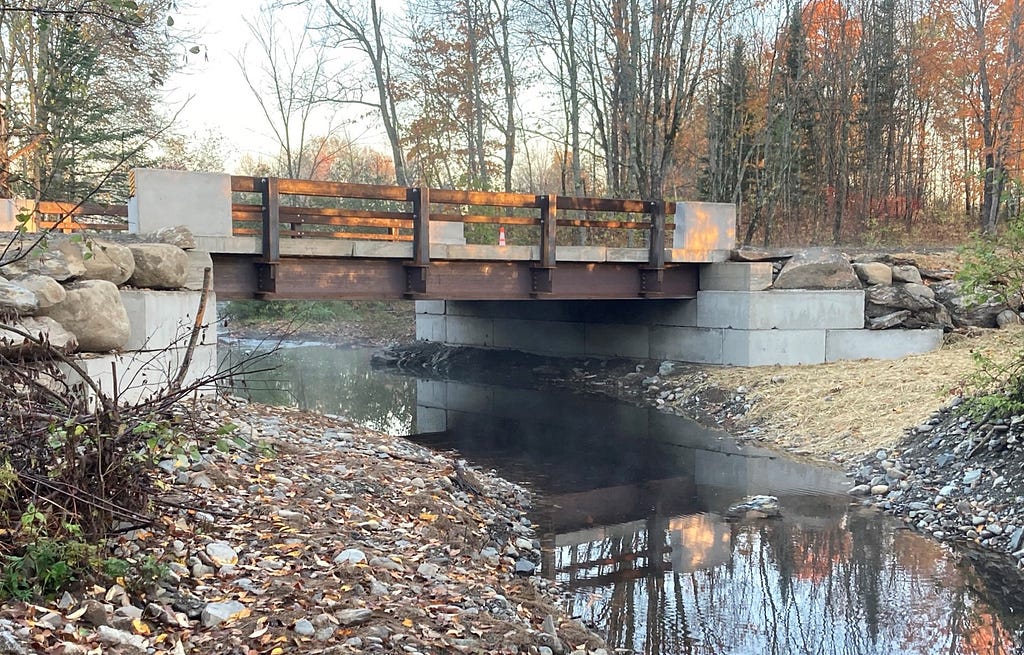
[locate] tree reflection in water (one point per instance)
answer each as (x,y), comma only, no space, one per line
(330,380)
(844,585)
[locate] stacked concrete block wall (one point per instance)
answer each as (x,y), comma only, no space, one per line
(735,320)
(123,305)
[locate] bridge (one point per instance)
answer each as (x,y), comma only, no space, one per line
(276,238)
(645,279)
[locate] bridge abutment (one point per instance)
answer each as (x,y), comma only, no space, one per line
(735,320)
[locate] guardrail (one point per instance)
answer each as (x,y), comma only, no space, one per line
(67,216)
(394,213)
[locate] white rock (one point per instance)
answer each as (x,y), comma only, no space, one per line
(158,266)
(217,613)
(114,637)
(93,311)
(350,556)
(48,291)
(221,553)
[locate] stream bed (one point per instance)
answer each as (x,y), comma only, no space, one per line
(631,514)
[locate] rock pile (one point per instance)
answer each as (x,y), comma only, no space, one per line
(956,478)
(67,289)
(898,293)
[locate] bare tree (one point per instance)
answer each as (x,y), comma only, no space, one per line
(289,78)
(363,29)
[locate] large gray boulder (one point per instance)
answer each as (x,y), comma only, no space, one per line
(106,260)
(93,311)
(818,268)
(906,273)
(965,312)
(872,273)
(58,258)
(14,298)
(882,302)
(42,327)
(48,291)
(159,266)
(177,235)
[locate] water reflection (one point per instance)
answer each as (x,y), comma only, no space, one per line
(327,379)
(632,517)
(633,521)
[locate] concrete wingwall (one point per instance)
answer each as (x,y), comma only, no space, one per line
(734,320)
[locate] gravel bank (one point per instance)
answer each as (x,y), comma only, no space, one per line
(296,532)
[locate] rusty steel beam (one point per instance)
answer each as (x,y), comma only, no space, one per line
(235,277)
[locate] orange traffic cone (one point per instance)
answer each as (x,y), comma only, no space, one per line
(501,236)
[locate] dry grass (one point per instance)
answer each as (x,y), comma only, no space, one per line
(850,408)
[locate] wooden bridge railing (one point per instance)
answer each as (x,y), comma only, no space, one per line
(72,217)
(410,211)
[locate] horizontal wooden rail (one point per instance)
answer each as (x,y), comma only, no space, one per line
(70,216)
(273,219)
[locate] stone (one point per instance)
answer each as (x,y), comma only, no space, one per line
(972,476)
(872,273)
(919,291)
(906,274)
(158,266)
(221,553)
(860,490)
(61,259)
(428,570)
(1008,317)
(114,637)
(750,254)
(350,617)
(759,506)
(9,644)
(40,327)
(106,260)
(176,235)
(881,301)
(48,291)
(94,313)
(965,312)
(818,268)
(217,613)
(304,628)
(95,613)
(525,568)
(879,490)
(17,298)
(889,320)
(1016,539)
(350,556)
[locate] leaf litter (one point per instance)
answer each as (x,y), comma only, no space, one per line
(312,535)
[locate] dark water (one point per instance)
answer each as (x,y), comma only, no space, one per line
(631,516)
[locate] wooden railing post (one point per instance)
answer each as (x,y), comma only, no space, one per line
(653,275)
(544,272)
(266,270)
(416,272)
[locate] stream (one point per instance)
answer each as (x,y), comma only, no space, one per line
(631,513)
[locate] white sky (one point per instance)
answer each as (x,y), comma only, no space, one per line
(218,98)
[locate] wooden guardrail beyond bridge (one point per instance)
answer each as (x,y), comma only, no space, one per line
(388,241)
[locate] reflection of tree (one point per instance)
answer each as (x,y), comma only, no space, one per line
(334,381)
(788,589)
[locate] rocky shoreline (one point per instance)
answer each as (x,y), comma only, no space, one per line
(290,531)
